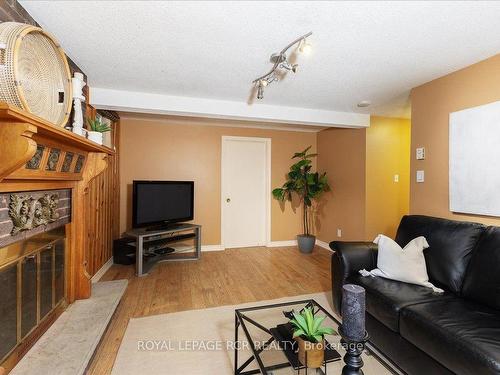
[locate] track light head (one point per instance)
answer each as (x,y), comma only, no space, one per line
(260,91)
(286,65)
(305,47)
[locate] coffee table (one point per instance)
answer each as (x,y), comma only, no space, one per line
(266,346)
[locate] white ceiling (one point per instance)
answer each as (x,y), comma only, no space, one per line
(373,51)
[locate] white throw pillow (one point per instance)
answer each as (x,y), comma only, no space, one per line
(406,265)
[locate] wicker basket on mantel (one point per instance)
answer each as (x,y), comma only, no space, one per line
(34,72)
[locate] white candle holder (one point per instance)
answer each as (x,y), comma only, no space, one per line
(78,98)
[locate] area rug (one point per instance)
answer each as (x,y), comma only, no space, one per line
(201,342)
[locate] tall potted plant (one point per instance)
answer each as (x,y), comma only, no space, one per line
(308,186)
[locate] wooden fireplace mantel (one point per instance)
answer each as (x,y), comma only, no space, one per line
(21,132)
(11,113)
(37,154)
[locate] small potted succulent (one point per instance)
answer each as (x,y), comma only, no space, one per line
(308,186)
(310,336)
(95,129)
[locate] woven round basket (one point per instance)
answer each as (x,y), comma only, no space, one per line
(34,72)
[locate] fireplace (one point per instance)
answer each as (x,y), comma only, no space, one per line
(54,219)
(32,262)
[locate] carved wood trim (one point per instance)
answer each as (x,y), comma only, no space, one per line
(16,147)
(95,165)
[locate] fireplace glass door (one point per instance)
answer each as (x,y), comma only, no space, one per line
(46,274)
(28,294)
(32,285)
(8,309)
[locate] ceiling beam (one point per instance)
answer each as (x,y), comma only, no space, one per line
(140,102)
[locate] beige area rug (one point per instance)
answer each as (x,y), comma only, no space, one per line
(201,342)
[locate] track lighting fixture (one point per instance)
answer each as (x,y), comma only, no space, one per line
(280,61)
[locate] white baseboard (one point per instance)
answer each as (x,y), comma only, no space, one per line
(288,243)
(323,244)
(106,266)
(212,248)
(282,243)
(319,243)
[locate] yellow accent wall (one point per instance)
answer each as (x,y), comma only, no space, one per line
(387,155)
(361,164)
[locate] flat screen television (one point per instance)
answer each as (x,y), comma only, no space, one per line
(157,203)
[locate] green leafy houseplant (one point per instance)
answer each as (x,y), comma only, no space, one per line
(306,184)
(96,125)
(96,129)
(308,326)
(309,334)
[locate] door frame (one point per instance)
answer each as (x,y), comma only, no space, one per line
(267,190)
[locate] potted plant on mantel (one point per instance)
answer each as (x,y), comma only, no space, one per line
(96,129)
(310,336)
(308,186)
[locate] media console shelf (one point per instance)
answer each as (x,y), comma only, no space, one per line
(148,245)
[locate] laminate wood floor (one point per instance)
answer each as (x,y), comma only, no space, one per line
(219,278)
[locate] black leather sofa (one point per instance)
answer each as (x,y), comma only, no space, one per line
(423,332)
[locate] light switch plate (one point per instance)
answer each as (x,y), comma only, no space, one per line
(339,232)
(420,153)
(396,178)
(420,176)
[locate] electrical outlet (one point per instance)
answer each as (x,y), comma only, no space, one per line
(339,232)
(420,176)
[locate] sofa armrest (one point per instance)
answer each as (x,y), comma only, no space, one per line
(349,258)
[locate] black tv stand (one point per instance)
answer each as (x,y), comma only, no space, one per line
(166,226)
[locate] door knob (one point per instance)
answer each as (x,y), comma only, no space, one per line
(228,200)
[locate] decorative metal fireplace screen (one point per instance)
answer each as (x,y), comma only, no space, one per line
(32,284)
(24,214)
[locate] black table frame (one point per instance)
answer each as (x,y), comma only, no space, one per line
(239,320)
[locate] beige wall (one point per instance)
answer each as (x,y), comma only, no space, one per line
(387,154)
(189,149)
(431,105)
(342,155)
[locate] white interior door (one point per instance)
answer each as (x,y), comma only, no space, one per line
(245,191)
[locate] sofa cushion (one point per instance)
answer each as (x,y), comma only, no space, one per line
(385,298)
(462,335)
(482,280)
(450,246)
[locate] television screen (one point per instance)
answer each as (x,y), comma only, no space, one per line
(157,202)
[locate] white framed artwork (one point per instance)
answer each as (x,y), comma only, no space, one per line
(475,160)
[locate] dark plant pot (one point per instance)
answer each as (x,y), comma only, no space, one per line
(306,243)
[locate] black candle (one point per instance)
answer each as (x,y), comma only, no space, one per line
(353,311)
